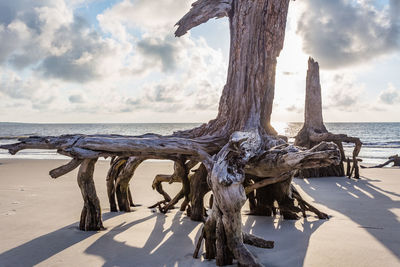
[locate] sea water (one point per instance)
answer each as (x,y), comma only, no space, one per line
(380,140)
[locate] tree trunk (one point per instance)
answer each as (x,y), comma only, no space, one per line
(314,130)
(257,35)
(118,178)
(198,189)
(91,212)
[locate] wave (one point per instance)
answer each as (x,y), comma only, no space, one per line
(386,144)
(15,137)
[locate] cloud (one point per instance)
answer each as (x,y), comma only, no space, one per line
(32,90)
(343,93)
(46,36)
(165,51)
(294,108)
(390,96)
(77,98)
(341,33)
(55,62)
(150,16)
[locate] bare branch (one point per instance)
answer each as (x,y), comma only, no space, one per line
(201,12)
(70,166)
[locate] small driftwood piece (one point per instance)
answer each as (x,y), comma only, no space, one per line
(238,143)
(314,130)
(395,159)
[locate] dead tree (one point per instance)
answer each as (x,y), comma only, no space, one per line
(314,130)
(239,142)
(395,159)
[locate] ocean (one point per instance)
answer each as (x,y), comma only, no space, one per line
(380,140)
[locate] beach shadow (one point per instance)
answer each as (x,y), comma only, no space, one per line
(46,246)
(164,246)
(364,203)
(290,237)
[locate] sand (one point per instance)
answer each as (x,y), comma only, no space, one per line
(39,218)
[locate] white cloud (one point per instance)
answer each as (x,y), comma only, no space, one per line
(149,16)
(341,32)
(390,96)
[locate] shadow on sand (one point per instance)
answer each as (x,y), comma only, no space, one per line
(165,246)
(364,203)
(46,246)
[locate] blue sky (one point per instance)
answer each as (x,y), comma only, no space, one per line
(118,61)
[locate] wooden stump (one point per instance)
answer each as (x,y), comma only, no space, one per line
(314,130)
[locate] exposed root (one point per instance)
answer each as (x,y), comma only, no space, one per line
(256,241)
(118,178)
(305,206)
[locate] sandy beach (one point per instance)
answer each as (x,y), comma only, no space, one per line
(39,218)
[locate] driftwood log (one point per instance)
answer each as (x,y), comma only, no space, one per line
(314,130)
(395,159)
(238,144)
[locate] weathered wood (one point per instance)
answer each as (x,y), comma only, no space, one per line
(117,165)
(305,206)
(395,159)
(91,212)
(266,182)
(201,12)
(146,146)
(181,172)
(198,244)
(314,130)
(122,183)
(198,189)
(257,241)
(70,166)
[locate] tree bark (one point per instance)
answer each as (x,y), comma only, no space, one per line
(198,189)
(314,130)
(91,212)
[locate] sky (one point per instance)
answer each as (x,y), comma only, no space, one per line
(105,61)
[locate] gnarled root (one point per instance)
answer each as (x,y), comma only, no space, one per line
(91,212)
(118,178)
(284,193)
(181,174)
(305,206)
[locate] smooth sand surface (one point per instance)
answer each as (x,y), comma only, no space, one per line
(39,218)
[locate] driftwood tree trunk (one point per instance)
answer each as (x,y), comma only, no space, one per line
(240,142)
(91,212)
(395,159)
(314,130)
